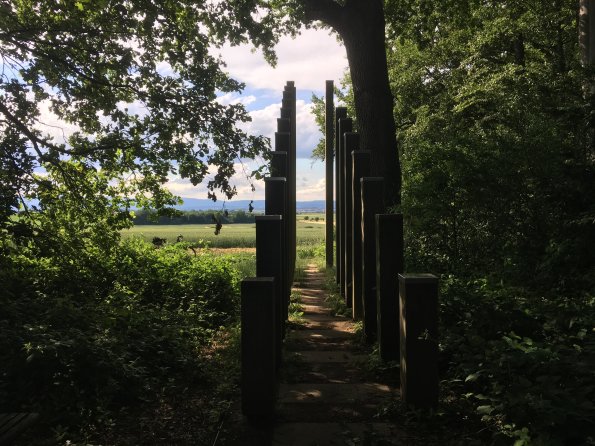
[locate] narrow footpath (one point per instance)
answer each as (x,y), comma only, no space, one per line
(326,397)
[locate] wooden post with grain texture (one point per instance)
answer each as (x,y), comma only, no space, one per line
(276,204)
(269,263)
(361,168)
(351,143)
(372,204)
(340,113)
(328,159)
(389,264)
(345,126)
(258,350)
(418,308)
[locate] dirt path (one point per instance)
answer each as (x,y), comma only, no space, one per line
(326,397)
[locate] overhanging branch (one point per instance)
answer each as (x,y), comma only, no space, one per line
(328,12)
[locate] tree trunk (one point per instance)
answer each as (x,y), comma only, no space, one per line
(360,23)
(363,34)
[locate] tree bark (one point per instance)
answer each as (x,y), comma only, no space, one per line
(361,26)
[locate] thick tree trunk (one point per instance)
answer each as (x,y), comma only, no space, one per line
(363,33)
(360,23)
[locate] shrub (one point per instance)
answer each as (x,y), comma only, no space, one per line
(79,338)
(522,361)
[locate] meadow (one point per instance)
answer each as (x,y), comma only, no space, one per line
(241,235)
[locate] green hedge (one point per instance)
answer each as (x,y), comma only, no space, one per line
(80,337)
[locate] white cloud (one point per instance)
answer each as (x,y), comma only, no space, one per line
(184,188)
(50,124)
(234,98)
(310,184)
(311,58)
(264,122)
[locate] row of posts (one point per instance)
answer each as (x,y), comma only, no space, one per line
(399,311)
(265,298)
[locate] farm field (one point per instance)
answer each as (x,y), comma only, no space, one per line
(309,232)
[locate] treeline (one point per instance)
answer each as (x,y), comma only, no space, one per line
(193,217)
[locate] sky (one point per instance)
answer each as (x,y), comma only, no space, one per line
(309,60)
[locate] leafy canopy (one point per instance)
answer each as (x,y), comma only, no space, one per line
(138,81)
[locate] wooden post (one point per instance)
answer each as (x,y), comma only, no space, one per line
(269,263)
(361,168)
(328,159)
(282,145)
(275,204)
(282,141)
(258,354)
(372,204)
(351,142)
(345,125)
(389,264)
(340,113)
(284,126)
(289,101)
(418,308)
(279,164)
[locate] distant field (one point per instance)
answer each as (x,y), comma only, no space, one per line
(231,236)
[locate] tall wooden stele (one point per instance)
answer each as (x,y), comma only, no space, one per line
(372,192)
(340,113)
(329,157)
(345,126)
(290,93)
(351,143)
(360,169)
(258,348)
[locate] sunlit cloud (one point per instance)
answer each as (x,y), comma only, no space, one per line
(311,58)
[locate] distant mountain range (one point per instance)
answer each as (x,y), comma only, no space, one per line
(197,204)
(203,204)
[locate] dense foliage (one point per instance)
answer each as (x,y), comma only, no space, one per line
(86,334)
(495,128)
(132,87)
(90,325)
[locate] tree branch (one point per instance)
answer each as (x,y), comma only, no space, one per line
(328,12)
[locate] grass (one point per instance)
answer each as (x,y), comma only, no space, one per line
(231,236)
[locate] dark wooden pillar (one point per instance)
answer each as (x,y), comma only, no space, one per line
(328,159)
(340,113)
(289,102)
(389,264)
(345,126)
(351,142)
(258,349)
(372,204)
(418,307)
(275,204)
(360,169)
(279,164)
(280,168)
(269,263)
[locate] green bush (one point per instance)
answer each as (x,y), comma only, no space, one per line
(524,362)
(89,334)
